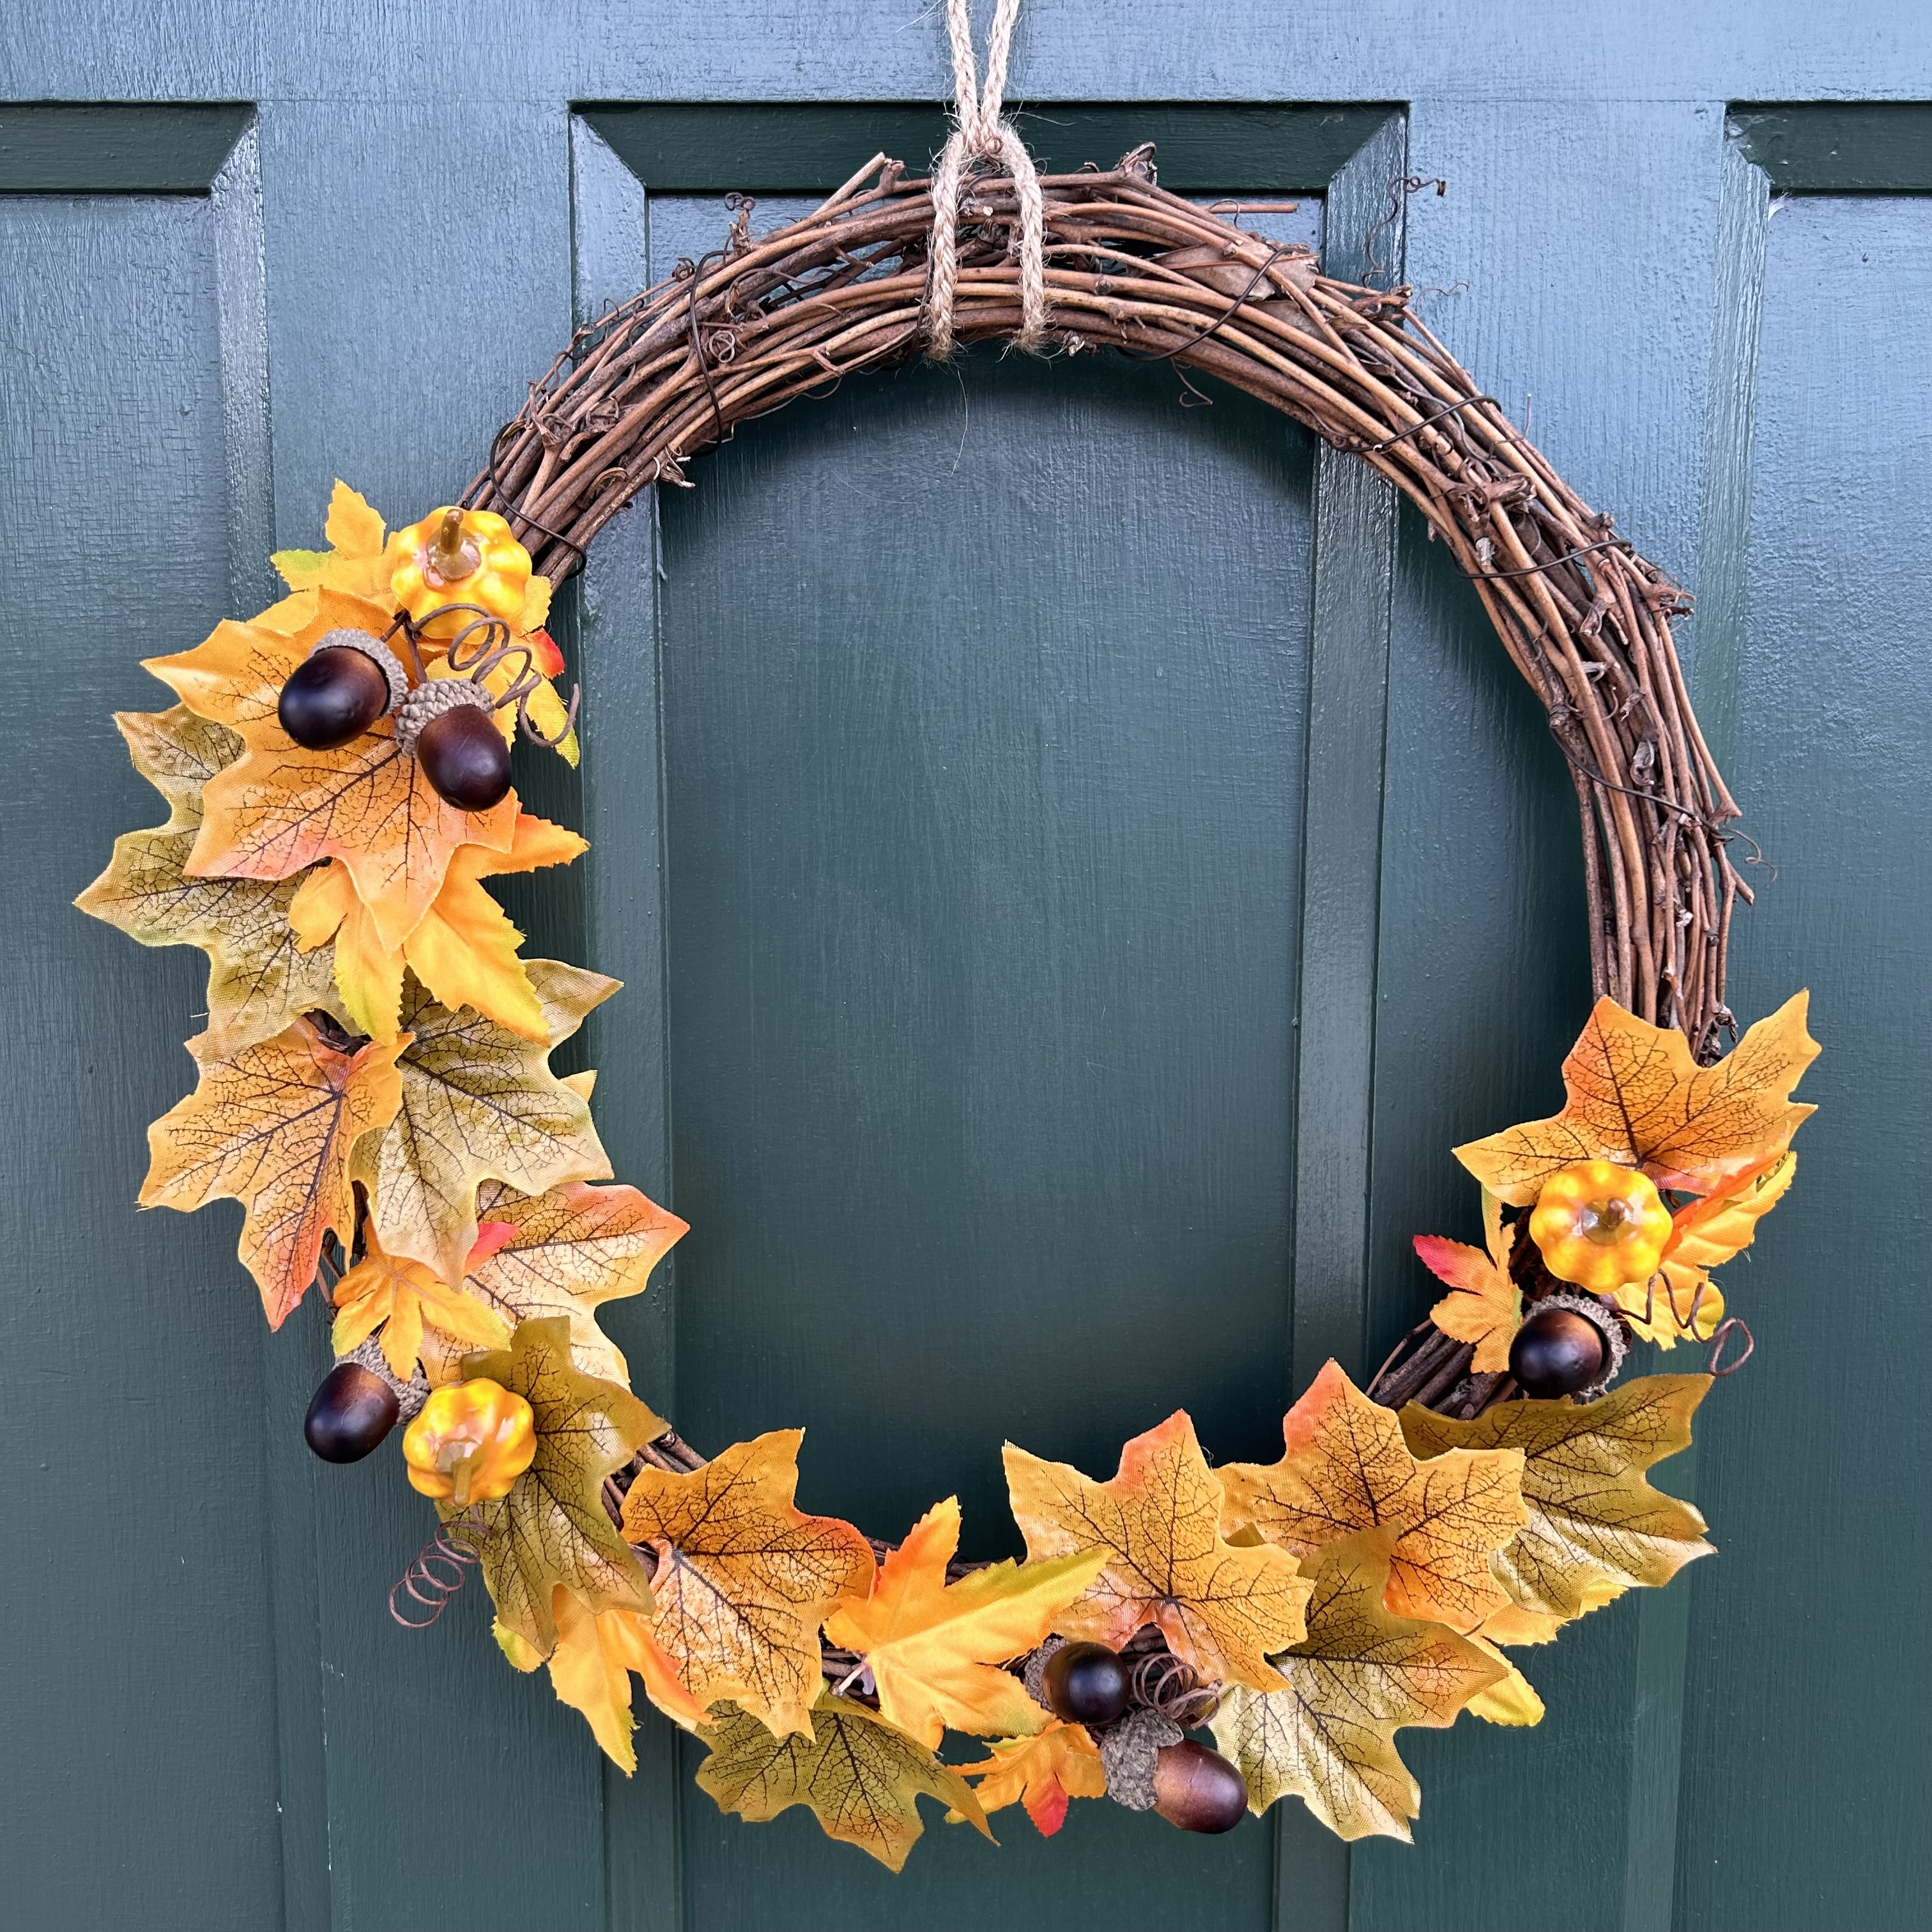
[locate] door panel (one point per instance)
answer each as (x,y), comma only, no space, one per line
(1803,1461)
(137,1521)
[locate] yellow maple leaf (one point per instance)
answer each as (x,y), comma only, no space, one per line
(464,949)
(1328,1736)
(355,563)
(567,1251)
(1485,1306)
(273,1126)
(1346,1467)
(862,1779)
(552,1527)
(1042,1772)
(744,1578)
(933,1647)
(259,980)
(1222,1609)
(280,808)
(1680,1299)
(399,1296)
(479,1102)
(1512,1700)
(1596,1528)
(590,1670)
(1635,1096)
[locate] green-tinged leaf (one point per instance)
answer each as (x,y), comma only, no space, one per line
(480,1103)
(552,1528)
(862,1778)
(1358,1677)
(1596,1528)
(258,982)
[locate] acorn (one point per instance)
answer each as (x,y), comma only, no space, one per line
(1197,1789)
(449,725)
(338,691)
(1085,1683)
(353,1411)
(1556,1352)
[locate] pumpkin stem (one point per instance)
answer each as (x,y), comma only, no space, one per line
(449,557)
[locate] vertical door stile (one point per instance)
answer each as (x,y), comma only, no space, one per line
(288,1371)
(625,881)
(1348,708)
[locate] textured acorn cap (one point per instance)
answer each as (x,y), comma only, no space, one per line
(371,646)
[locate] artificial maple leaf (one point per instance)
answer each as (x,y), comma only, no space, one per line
(479,1102)
(566,1252)
(1512,1700)
(273,1126)
(400,1297)
(744,1578)
(355,563)
(1345,1468)
(1635,1096)
(1596,1528)
(1041,1772)
(464,950)
(590,1671)
(932,1649)
(1486,1305)
(281,808)
(1704,1234)
(552,1528)
(862,1778)
(1222,1609)
(1361,1674)
(258,979)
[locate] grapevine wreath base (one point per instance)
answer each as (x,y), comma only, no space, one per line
(374,1086)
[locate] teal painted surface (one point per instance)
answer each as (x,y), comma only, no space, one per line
(1805,1713)
(137,1583)
(262,1728)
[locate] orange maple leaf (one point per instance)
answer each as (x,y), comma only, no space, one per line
(356,562)
(932,1647)
(744,1578)
(464,949)
(274,1128)
(1223,1609)
(590,1670)
(564,1252)
(400,1297)
(1346,1467)
(1635,1096)
(1042,1773)
(280,807)
(1486,1307)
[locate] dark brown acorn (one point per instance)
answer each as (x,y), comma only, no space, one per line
(1556,1352)
(464,757)
(1085,1683)
(1197,1789)
(353,1411)
(335,694)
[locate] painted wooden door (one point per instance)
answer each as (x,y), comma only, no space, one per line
(1078,859)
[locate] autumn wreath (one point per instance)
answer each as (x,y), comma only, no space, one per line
(374,1086)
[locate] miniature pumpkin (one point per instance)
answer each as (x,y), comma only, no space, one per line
(459,556)
(1600,1225)
(472,1441)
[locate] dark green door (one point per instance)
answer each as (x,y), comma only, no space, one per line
(1078,859)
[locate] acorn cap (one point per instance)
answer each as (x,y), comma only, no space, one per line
(430,701)
(372,647)
(1128,1753)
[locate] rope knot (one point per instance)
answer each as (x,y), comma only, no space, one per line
(982,133)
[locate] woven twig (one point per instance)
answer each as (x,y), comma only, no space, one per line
(1585,619)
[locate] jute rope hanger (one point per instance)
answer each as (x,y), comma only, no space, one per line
(982,133)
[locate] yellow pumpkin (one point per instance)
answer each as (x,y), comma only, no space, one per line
(1600,1225)
(459,556)
(470,1442)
